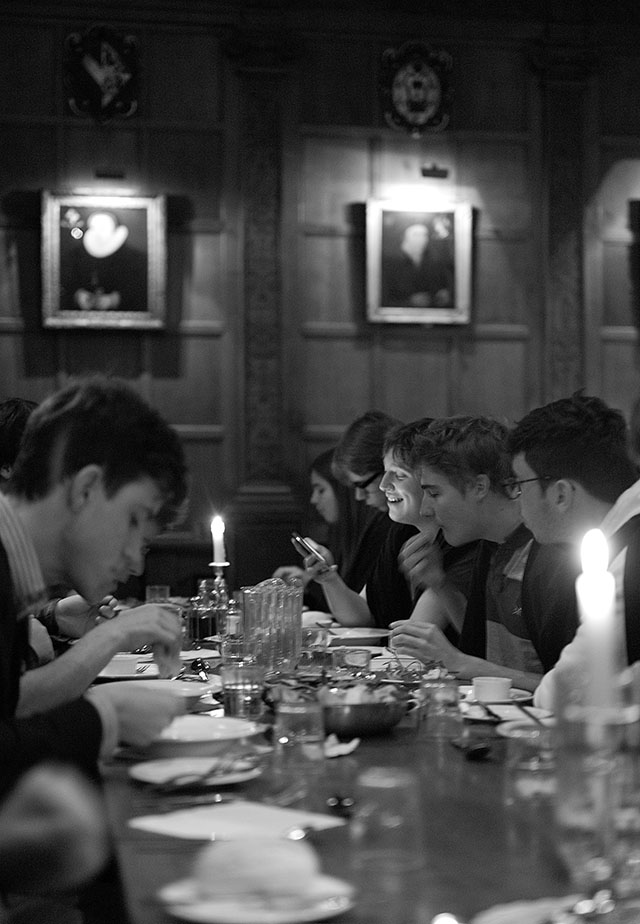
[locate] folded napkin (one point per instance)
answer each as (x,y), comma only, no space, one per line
(232,821)
(534,912)
(335,748)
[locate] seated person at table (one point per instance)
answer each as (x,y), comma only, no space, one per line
(466,476)
(98,474)
(354,530)
(70,615)
(571,460)
(388,594)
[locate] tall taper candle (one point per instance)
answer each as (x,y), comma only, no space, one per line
(596,593)
(217,534)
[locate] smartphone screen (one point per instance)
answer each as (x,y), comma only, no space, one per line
(303,548)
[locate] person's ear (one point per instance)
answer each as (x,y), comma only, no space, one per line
(480,487)
(83,486)
(561,494)
(6,472)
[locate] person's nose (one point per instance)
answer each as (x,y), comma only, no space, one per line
(426,507)
(135,556)
(385,482)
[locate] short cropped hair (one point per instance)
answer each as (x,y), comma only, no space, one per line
(361,448)
(14,414)
(579,437)
(462,448)
(401,440)
(104,422)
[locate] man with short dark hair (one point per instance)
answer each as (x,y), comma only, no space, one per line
(98,474)
(574,473)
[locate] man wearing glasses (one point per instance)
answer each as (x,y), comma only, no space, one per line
(516,619)
(574,473)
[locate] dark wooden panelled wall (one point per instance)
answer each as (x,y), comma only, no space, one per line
(261,123)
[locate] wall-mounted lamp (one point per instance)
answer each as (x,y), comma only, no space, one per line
(435,172)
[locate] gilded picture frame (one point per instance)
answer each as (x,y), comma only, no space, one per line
(419,262)
(103,261)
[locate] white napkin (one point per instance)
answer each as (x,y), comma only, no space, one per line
(333,747)
(232,821)
(535,912)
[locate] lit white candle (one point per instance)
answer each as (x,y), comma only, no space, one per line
(217,534)
(596,593)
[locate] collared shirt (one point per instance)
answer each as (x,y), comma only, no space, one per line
(26,573)
(574,656)
(30,595)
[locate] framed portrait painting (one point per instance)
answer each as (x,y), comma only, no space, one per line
(419,262)
(103,261)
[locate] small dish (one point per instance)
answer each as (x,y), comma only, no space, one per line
(190,693)
(201,735)
(506,712)
(329,898)
(515,728)
(143,671)
(160,771)
(188,654)
(515,695)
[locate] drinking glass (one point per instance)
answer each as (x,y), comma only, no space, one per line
(157,593)
(530,769)
(386,824)
(441,710)
(298,736)
(242,688)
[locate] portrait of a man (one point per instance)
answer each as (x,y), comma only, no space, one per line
(418,262)
(103,261)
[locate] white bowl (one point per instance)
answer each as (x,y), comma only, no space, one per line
(201,735)
(188,691)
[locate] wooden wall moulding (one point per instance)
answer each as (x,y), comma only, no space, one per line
(101,73)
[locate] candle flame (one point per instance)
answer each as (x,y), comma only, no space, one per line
(594,552)
(217,527)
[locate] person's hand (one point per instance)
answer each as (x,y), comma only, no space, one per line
(53,833)
(141,713)
(425,642)
(75,615)
(319,570)
(421,562)
(148,624)
(287,572)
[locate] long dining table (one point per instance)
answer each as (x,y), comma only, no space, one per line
(478,850)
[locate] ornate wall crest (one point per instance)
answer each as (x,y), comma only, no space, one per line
(101,73)
(415,88)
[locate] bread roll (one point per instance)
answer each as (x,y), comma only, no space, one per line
(277,872)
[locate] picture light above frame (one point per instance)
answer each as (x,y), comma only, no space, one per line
(103,261)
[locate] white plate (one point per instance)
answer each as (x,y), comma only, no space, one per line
(186,689)
(341,635)
(384,662)
(513,729)
(515,696)
(159,771)
(507,713)
(532,912)
(333,896)
(187,655)
(208,728)
(150,671)
(317,618)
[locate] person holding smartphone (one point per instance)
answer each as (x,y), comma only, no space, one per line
(354,533)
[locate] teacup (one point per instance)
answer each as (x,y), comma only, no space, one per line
(491,689)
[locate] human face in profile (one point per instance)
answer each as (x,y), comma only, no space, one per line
(404,495)
(367,489)
(454,511)
(106,536)
(323,498)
